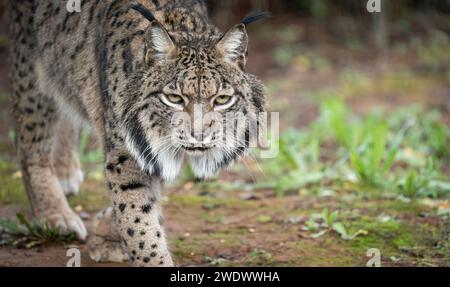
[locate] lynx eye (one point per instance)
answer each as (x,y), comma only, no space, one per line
(175,99)
(222,100)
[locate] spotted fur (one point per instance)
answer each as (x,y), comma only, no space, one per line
(113,65)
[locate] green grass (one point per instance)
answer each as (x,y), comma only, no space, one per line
(403,152)
(26,234)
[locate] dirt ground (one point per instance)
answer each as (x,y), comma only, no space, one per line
(221,228)
(209,226)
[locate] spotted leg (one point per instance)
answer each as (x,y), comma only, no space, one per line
(136,202)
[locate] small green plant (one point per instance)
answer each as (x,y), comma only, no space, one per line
(329,218)
(436,135)
(366,141)
(326,222)
(26,234)
(216,261)
(413,183)
(260,256)
(425,183)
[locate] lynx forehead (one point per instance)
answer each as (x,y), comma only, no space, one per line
(139,72)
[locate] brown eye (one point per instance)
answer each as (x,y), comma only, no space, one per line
(175,99)
(222,100)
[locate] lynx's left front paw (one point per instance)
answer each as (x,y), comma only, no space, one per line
(106,250)
(104,245)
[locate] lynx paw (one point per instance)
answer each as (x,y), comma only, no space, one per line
(66,222)
(104,250)
(104,245)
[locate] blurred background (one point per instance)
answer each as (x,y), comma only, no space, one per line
(363,159)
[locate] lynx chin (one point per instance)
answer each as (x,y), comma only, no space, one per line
(137,71)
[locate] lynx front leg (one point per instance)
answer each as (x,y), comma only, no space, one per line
(136,203)
(36,141)
(65,156)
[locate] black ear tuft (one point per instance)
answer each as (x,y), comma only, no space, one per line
(255,16)
(144,11)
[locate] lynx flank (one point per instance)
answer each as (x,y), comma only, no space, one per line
(128,68)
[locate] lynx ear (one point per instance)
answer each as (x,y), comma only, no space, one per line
(232,47)
(159,44)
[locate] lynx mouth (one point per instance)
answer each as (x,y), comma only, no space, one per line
(195,150)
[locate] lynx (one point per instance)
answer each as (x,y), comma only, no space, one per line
(129,69)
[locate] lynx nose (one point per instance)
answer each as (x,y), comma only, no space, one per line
(201,137)
(197,136)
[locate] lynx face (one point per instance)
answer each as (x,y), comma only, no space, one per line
(202,106)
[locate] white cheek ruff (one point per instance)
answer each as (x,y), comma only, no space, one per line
(207,165)
(134,152)
(168,162)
